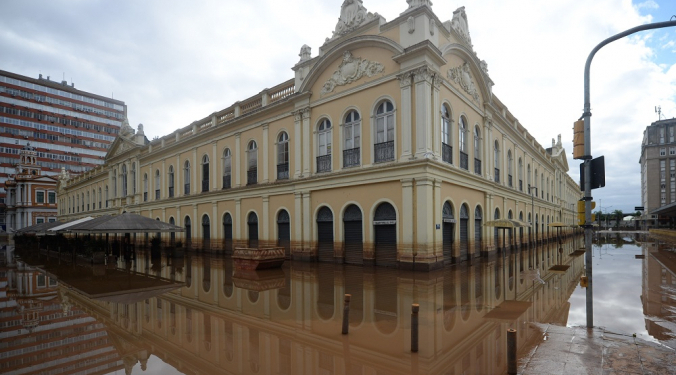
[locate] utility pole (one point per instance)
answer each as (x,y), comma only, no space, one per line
(586,115)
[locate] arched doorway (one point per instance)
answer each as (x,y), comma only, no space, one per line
(284,232)
(385,231)
(478,235)
(464,233)
(206,232)
(325,235)
(227,233)
(252,222)
(353,236)
(188,231)
(448,233)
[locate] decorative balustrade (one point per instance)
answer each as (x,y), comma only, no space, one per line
(283,171)
(324,163)
(384,151)
(351,157)
(251,105)
(227,116)
(447,153)
(464,161)
(282,92)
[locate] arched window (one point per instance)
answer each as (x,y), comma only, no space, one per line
(252,163)
(446,139)
(384,140)
(227,169)
(186,177)
(462,142)
(535,183)
(496,160)
(133,178)
(352,139)
(520,175)
(188,230)
(157,184)
(106,196)
(283,156)
(542,187)
(206,232)
(145,187)
(528,177)
(477,150)
(83,202)
(172,235)
(205,173)
(87,201)
(324,146)
(510,161)
(100,198)
(170,183)
(124,180)
(114,183)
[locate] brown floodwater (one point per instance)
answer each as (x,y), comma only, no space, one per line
(196,314)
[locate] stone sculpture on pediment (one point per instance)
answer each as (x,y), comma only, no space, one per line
(418,3)
(460,25)
(463,77)
(352,15)
(351,69)
(305,53)
(126,130)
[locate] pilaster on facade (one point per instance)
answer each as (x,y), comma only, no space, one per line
(423,78)
(298,144)
(307,131)
(236,166)
(406,114)
(266,131)
(407,219)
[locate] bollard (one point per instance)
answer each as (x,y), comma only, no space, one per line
(346,314)
(414,327)
(511,351)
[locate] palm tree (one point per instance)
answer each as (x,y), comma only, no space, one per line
(618,214)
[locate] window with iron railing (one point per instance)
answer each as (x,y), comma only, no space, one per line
(186,189)
(497,175)
(283,171)
(226,182)
(447,153)
(205,186)
(520,185)
(351,157)
(464,161)
(145,196)
(509,180)
(157,194)
(171,191)
(252,176)
(477,166)
(324,163)
(384,151)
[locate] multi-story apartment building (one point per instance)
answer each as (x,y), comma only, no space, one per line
(69,128)
(388,148)
(658,169)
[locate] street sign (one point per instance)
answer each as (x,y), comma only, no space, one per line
(639,208)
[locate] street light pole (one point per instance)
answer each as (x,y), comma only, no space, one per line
(586,115)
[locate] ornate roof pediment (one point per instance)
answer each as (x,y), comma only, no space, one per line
(462,76)
(120,146)
(352,15)
(350,70)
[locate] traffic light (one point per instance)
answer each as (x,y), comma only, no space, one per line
(578,139)
(580,212)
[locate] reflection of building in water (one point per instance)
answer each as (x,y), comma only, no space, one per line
(659,289)
(41,332)
(389,147)
(212,325)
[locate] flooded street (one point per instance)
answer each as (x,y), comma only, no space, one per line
(194,313)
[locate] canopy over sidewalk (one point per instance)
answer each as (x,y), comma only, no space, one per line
(124,223)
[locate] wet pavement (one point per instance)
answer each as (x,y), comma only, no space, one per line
(578,350)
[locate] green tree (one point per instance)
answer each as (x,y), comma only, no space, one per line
(618,214)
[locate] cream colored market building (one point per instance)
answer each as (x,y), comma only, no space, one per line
(386,148)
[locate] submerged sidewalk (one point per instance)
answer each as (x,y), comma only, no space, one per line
(576,350)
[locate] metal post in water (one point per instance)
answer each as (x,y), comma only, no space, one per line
(346,314)
(511,351)
(414,327)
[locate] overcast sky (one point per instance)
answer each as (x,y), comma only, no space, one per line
(174,62)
